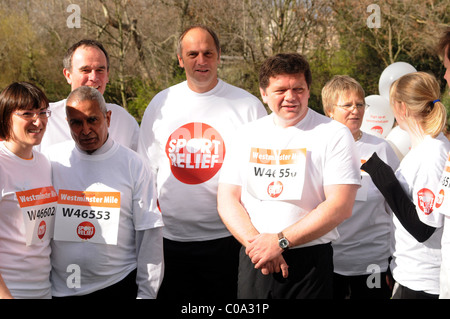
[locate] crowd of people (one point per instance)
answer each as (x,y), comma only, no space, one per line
(210,197)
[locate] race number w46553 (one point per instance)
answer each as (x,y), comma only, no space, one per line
(87,216)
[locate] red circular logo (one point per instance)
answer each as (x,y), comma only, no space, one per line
(85,230)
(196,152)
(440,198)
(275,189)
(426,200)
(42,229)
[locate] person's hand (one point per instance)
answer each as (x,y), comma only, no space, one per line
(275,266)
(265,253)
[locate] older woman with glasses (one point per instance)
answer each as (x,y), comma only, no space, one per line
(361,254)
(27,198)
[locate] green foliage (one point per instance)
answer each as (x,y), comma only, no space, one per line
(143,94)
(34,37)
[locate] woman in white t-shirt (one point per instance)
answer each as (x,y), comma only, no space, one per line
(410,193)
(361,253)
(26,195)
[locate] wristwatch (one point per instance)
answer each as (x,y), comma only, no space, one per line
(282,241)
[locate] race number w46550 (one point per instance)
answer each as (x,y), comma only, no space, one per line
(276,174)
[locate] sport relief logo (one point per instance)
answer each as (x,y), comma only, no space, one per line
(85,230)
(426,200)
(42,229)
(196,152)
(378,129)
(440,198)
(275,189)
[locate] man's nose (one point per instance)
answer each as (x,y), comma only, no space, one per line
(86,129)
(289,95)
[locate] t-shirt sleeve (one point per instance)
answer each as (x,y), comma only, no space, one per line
(230,173)
(146,213)
(424,197)
(342,163)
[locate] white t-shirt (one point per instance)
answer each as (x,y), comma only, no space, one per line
(123,128)
(365,237)
(442,206)
(184,136)
(24,268)
(111,169)
(417,265)
(283,171)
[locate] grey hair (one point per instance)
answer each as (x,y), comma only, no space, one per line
(198,26)
(86,93)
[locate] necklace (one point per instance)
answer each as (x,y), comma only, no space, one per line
(359,136)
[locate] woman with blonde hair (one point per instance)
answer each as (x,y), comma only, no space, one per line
(365,237)
(410,192)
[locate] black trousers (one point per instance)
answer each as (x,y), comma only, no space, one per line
(124,289)
(310,276)
(355,287)
(200,270)
(403,292)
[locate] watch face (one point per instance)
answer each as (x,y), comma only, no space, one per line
(283,243)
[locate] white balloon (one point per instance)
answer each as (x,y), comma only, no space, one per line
(399,141)
(392,73)
(378,117)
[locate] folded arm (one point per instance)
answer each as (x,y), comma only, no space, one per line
(385,180)
(238,222)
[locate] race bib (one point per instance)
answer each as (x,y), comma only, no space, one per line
(87,216)
(38,208)
(276,174)
(441,203)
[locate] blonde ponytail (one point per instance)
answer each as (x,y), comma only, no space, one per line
(420,92)
(436,119)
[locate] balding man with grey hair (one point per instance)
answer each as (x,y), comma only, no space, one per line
(86,63)
(108,239)
(84,93)
(88,118)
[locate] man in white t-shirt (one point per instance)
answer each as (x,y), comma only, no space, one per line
(288,180)
(108,230)
(184,134)
(86,63)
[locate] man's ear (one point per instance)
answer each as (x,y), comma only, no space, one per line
(263,95)
(68,76)
(108,117)
(180,61)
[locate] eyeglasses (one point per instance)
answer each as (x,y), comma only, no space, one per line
(350,107)
(29,115)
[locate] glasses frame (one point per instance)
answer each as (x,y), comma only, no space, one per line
(353,106)
(41,114)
